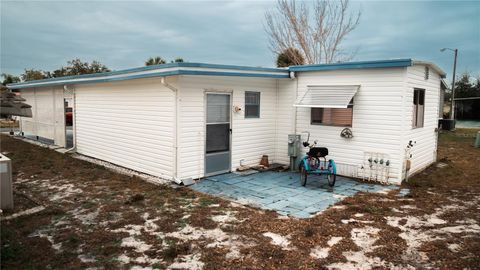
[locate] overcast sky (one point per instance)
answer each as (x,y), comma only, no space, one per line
(45,35)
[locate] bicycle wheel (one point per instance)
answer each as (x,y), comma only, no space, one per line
(331,177)
(303,175)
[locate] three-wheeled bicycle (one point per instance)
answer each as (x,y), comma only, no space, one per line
(316,163)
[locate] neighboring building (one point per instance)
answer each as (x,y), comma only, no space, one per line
(190,120)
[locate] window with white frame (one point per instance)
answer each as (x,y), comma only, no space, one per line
(252,104)
(418,107)
(332,116)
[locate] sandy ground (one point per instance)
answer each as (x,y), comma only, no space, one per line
(72,214)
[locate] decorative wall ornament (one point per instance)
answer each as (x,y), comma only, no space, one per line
(346,133)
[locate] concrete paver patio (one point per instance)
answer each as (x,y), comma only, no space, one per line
(282,192)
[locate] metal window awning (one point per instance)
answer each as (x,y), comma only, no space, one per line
(327,96)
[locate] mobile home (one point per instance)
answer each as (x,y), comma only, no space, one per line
(189,120)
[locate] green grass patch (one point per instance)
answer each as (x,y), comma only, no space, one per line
(88,204)
(174,249)
(206,201)
(459,135)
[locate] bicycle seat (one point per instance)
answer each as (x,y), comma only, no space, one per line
(318,152)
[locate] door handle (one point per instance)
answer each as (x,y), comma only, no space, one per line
(230,131)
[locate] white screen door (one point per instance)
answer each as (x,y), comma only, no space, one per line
(217,156)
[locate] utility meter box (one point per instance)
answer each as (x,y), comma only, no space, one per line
(6,192)
(294,145)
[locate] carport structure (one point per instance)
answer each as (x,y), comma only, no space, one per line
(48,110)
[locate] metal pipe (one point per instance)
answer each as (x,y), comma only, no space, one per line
(163,81)
(453,86)
(452,104)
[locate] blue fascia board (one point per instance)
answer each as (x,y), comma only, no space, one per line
(152,67)
(354,65)
(233,67)
(43,83)
(236,74)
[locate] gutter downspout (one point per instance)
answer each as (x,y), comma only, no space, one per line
(294,128)
(163,81)
(74,121)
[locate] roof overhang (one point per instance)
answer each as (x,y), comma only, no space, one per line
(431,65)
(354,65)
(158,71)
(444,84)
(368,64)
(327,96)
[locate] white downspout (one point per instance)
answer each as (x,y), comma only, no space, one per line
(74,121)
(164,82)
(294,128)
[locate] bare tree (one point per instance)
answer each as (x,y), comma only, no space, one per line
(317,31)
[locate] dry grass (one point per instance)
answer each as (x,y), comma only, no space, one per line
(98,218)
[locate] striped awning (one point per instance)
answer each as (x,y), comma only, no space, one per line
(327,96)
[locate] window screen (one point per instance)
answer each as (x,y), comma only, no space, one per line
(332,116)
(218,110)
(418,107)
(218,138)
(252,104)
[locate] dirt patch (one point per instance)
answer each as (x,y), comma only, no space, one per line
(95,217)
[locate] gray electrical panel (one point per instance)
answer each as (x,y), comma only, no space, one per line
(6,192)
(294,145)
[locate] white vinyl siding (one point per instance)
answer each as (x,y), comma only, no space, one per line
(424,151)
(130,124)
(284,120)
(251,137)
(376,117)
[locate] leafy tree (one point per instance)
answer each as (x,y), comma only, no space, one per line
(77,67)
(466,87)
(178,60)
(290,57)
(155,61)
(74,67)
(9,78)
(33,74)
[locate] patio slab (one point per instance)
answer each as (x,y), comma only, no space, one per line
(282,192)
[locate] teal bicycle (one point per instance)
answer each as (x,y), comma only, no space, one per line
(316,163)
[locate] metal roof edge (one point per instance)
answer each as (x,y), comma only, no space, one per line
(442,73)
(55,81)
(354,65)
(32,84)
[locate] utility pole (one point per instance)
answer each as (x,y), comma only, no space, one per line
(452,104)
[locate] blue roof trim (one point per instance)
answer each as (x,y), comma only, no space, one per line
(237,74)
(42,83)
(282,73)
(204,65)
(354,65)
(153,67)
